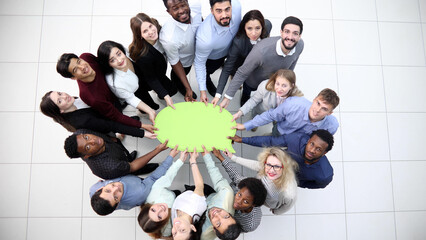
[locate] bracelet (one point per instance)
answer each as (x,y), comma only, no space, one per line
(193,163)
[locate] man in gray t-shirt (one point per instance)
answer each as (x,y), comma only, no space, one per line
(267,57)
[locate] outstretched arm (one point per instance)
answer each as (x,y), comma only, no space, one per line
(198,179)
(218,180)
(252,164)
(138,163)
(266,141)
(234,175)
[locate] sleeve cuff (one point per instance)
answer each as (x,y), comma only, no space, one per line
(228,97)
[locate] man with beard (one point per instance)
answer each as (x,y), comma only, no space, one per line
(178,39)
(267,57)
(309,152)
(213,39)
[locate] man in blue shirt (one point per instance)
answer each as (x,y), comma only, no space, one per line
(213,39)
(125,192)
(297,114)
(309,152)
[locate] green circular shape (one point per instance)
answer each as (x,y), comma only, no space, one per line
(193,124)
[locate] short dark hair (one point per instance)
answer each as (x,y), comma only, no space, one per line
(213,2)
(256,188)
(100,205)
(326,136)
(329,96)
(63,64)
(231,233)
(166,1)
(71,146)
(165,4)
(104,50)
(292,20)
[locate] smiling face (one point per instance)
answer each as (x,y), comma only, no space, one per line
(273,167)
(243,200)
(117,59)
(282,86)
(315,149)
(179,10)
(290,35)
(62,100)
(253,29)
(81,70)
(149,32)
(220,219)
(112,192)
(90,145)
(222,12)
(158,212)
(319,110)
(182,228)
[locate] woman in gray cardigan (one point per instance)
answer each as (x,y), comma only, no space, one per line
(271,93)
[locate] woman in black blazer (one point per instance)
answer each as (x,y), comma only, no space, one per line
(72,113)
(147,53)
(252,29)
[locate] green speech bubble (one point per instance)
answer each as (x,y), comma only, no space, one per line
(192,124)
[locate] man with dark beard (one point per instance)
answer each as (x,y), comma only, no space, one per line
(267,57)
(213,39)
(309,152)
(178,39)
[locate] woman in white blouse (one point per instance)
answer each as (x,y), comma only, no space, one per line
(123,80)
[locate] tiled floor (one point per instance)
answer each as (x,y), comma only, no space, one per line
(371,52)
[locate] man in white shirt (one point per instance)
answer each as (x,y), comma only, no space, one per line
(213,39)
(178,39)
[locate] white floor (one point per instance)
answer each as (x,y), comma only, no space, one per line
(371,52)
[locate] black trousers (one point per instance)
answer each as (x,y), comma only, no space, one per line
(212,66)
(176,80)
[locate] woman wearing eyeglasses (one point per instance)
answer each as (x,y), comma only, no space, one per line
(277,170)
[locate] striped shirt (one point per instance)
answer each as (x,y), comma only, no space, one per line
(278,201)
(248,221)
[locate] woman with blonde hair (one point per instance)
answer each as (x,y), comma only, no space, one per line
(270,93)
(277,171)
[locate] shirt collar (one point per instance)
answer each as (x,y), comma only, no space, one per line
(120,73)
(280,51)
(180,25)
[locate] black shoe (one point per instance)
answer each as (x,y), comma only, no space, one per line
(133,155)
(189,187)
(146,169)
(244,99)
(211,88)
(136,117)
(177,192)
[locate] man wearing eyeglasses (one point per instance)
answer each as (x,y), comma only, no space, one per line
(308,151)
